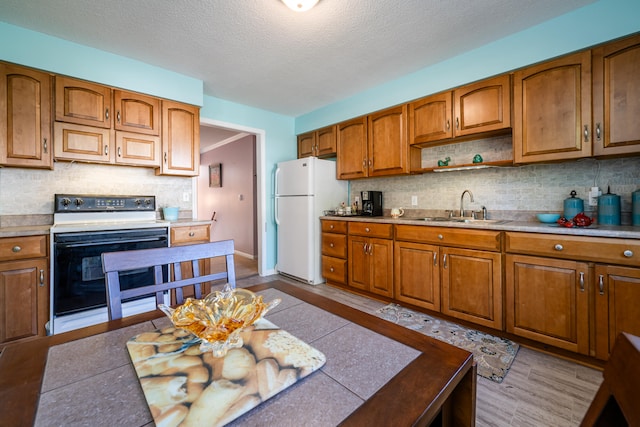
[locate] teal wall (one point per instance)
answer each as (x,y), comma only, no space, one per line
(601,21)
(593,24)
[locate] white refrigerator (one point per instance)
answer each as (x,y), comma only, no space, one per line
(304,189)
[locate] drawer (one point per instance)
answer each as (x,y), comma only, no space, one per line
(190,234)
(595,249)
(489,240)
(334,269)
(334,226)
(14,248)
(334,245)
(370,229)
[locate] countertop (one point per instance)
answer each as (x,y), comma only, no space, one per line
(617,231)
(36,230)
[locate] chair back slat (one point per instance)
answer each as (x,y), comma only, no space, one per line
(171,258)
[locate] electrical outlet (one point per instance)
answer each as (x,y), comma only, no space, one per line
(593,196)
(414,200)
(185,197)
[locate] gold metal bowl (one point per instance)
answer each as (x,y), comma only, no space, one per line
(218,318)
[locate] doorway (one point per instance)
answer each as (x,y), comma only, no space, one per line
(228,135)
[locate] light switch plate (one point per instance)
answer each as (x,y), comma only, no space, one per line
(414,200)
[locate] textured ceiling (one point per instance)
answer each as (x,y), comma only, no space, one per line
(259,53)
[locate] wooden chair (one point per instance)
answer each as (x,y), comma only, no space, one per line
(617,402)
(115,262)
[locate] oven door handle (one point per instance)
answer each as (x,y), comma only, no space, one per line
(107,242)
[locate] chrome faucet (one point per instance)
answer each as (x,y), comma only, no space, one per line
(462,201)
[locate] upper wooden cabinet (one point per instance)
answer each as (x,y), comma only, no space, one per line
(473,109)
(352,149)
(82,102)
(319,143)
(180,139)
(136,113)
(616,98)
(483,106)
(552,110)
(388,151)
(25,117)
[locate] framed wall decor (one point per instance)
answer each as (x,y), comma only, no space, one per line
(215,175)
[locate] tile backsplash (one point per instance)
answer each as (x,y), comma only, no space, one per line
(508,191)
(31,191)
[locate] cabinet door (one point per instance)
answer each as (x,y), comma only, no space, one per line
(24,299)
(85,143)
(137,149)
(417,274)
(180,139)
(326,140)
(136,113)
(359,262)
(83,103)
(483,107)
(472,286)
(381,265)
(352,149)
(25,117)
(548,301)
(430,119)
(616,97)
(552,110)
(306,145)
(617,293)
(387,142)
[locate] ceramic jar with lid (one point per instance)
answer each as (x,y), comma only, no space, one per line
(635,208)
(609,209)
(573,205)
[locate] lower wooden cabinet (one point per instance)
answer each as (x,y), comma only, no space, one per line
(547,300)
(189,235)
(417,274)
(24,289)
(472,286)
(371,264)
(617,305)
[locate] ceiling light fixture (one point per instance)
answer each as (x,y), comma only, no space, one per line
(300,5)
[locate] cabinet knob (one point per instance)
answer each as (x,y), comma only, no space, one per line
(558,247)
(628,253)
(367,229)
(440,236)
(191,234)
(16,248)
(330,245)
(331,269)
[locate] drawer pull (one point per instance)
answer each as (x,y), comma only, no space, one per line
(331,269)
(558,247)
(367,229)
(331,245)
(16,248)
(440,236)
(331,226)
(581,281)
(601,284)
(628,253)
(41,278)
(191,234)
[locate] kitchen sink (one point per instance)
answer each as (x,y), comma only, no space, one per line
(465,220)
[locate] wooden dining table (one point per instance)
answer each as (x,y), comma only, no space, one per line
(376,372)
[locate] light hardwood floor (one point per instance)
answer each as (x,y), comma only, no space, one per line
(540,390)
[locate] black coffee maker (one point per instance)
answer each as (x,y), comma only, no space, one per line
(371,203)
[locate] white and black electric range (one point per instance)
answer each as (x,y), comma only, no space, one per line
(85,226)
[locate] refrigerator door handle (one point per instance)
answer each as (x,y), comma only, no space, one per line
(275,180)
(275,211)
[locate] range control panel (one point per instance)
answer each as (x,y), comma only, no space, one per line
(93,203)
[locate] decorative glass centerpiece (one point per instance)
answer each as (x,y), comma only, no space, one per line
(219,318)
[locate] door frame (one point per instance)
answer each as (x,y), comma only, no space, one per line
(261,209)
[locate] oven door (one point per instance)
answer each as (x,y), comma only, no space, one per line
(79,282)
